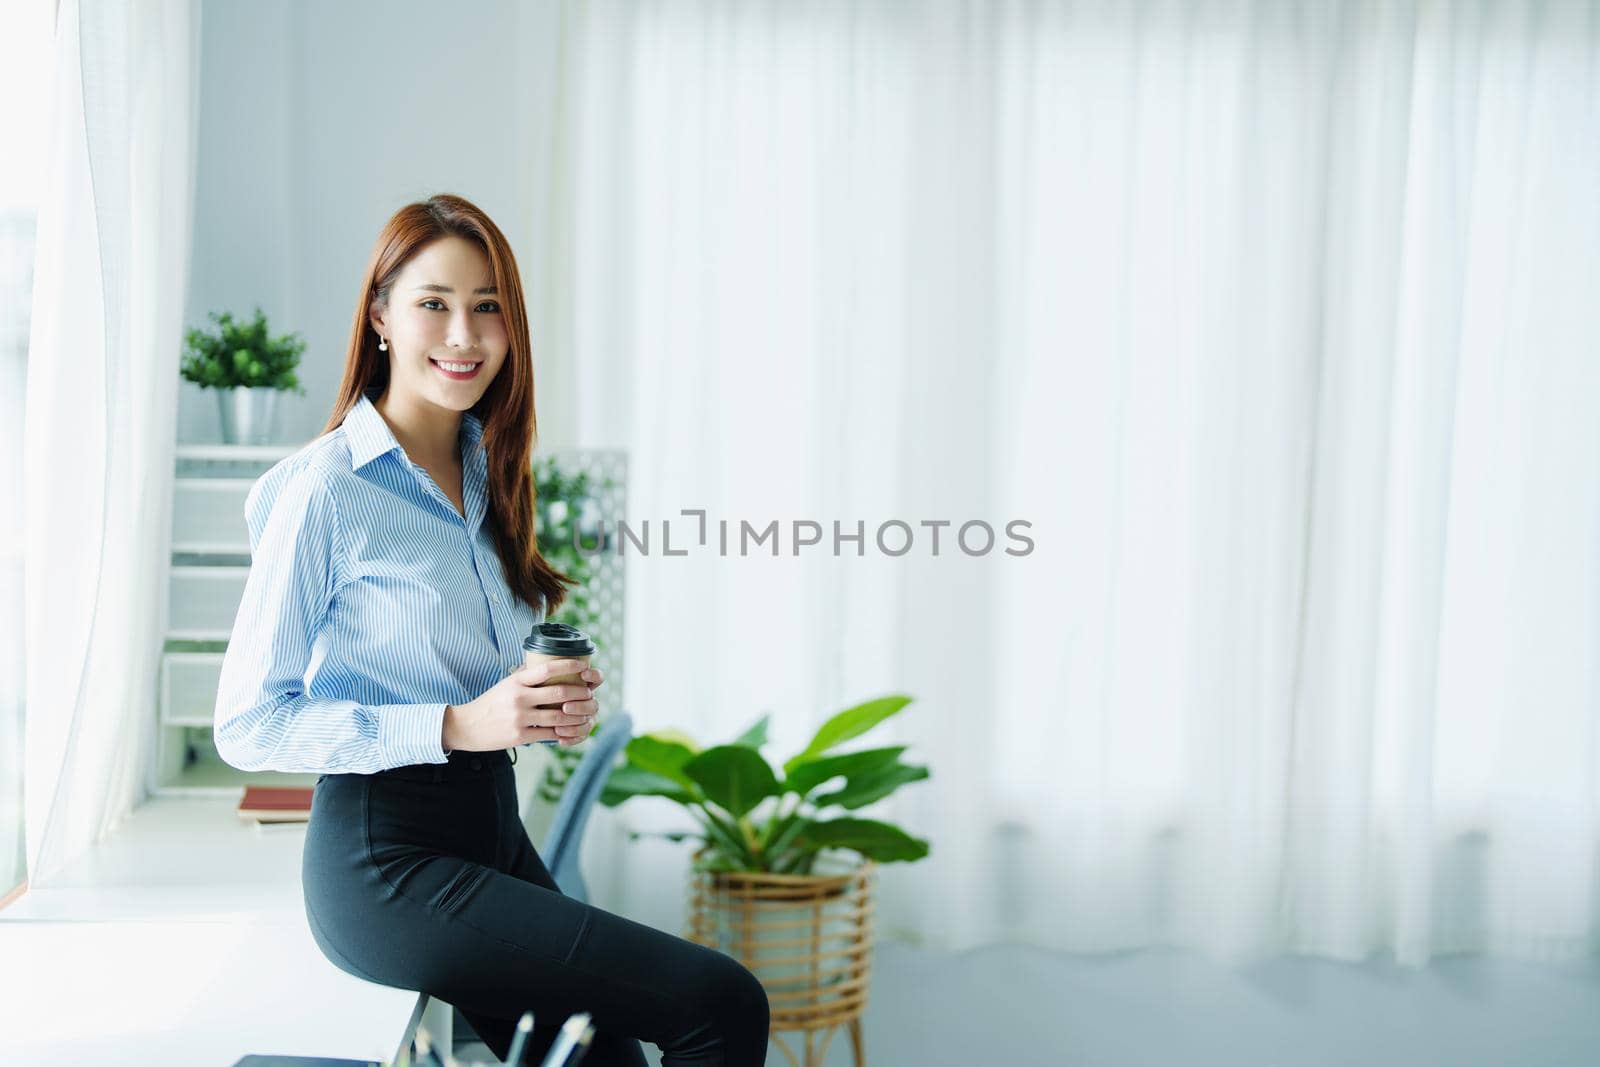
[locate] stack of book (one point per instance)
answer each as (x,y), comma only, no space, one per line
(270,803)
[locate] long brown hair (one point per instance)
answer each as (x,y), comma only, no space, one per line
(506,408)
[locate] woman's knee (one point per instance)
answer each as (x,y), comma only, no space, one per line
(728,1011)
(743,993)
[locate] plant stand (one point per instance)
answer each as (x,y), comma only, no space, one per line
(808,938)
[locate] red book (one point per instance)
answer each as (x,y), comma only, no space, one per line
(272,803)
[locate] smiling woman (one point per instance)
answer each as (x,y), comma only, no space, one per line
(394,572)
(434,338)
(443,291)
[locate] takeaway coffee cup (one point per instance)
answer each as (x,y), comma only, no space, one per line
(557,640)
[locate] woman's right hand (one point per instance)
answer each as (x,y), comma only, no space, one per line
(521,708)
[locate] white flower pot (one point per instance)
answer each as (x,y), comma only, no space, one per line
(249,415)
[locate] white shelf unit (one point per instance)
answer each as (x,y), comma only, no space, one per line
(210,562)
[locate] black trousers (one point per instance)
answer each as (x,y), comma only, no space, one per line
(423,878)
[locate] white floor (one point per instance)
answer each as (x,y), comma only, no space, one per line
(1006,1005)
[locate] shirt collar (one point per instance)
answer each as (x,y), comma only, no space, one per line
(370,437)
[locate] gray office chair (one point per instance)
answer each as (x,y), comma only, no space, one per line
(564,840)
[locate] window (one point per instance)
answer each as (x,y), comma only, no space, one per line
(25,57)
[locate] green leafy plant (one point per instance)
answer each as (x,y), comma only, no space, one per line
(241,355)
(559,504)
(750,818)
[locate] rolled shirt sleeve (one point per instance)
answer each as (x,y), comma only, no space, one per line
(264,718)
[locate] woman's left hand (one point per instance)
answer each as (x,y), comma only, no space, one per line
(591,677)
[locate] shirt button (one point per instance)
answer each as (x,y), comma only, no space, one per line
(477,764)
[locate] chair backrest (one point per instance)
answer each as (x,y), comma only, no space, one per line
(565,838)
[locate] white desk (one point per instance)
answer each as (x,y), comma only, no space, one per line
(182,939)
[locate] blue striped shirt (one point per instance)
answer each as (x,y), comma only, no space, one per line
(371,604)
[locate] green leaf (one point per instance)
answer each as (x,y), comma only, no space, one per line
(674,836)
(734,777)
(630,781)
(875,840)
(851,722)
(718,862)
(805,776)
(660,756)
(723,836)
(869,786)
(756,736)
(792,828)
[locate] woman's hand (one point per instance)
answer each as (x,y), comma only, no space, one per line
(593,677)
(522,707)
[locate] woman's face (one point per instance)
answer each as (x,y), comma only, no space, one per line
(443,314)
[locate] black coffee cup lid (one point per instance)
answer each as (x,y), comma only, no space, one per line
(558,639)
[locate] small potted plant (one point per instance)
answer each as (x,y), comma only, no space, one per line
(773,880)
(248,368)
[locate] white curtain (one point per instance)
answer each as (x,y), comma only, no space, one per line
(1275,321)
(102,386)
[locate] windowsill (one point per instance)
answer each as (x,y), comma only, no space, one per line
(178,858)
(182,937)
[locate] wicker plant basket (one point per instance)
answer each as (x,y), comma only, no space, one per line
(807,937)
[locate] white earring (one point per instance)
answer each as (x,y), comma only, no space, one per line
(383,344)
